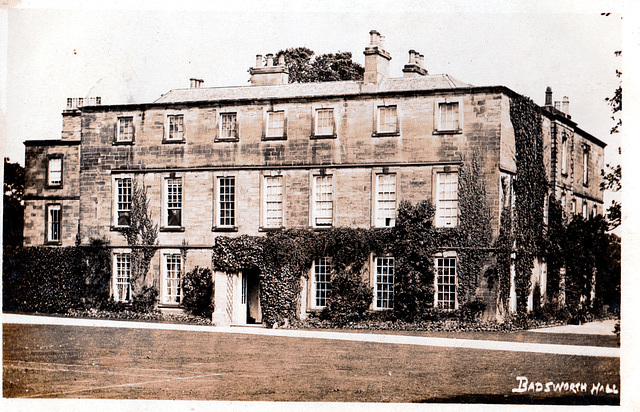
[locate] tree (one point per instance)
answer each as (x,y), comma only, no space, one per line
(303,68)
(13,213)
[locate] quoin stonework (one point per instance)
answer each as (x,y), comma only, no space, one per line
(227,161)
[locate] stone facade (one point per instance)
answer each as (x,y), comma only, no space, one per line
(206,142)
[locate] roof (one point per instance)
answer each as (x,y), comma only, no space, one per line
(293,90)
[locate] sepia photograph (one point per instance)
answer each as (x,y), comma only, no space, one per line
(315,205)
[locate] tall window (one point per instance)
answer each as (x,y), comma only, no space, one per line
(324,122)
(585,167)
(174,202)
(449,115)
(122,277)
(447,200)
(176,127)
(384,283)
(385,200)
(123,201)
(565,154)
(272,206)
(584,208)
(275,124)
(321,281)
(446,283)
(226,201)
(54,223)
(125,129)
(322,200)
(172,278)
(387,119)
(55,171)
(228,126)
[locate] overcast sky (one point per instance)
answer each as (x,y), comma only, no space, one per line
(129,55)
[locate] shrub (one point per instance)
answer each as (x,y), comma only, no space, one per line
(145,300)
(350,298)
(197,287)
(470,311)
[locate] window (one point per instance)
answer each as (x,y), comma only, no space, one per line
(55,171)
(228,126)
(322,201)
(125,129)
(321,288)
(176,127)
(275,124)
(573,207)
(384,283)
(585,166)
(385,200)
(387,119)
(172,278)
(272,206)
(447,200)
(54,226)
(446,283)
(121,277)
(226,202)
(563,203)
(584,209)
(324,122)
(123,195)
(449,116)
(594,211)
(565,154)
(174,202)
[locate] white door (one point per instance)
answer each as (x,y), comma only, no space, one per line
(240,299)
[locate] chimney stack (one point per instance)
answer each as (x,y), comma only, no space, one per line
(565,105)
(376,60)
(548,97)
(270,74)
(195,83)
(414,67)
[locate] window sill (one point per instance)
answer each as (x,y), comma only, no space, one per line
(118,228)
(169,306)
(226,139)
(447,131)
(315,309)
(323,136)
(173,141)
(123,143)
(53,243)
(385,134)
(172,229)
(382,227)
(225,229)
(269,138)
(48,186)
(270,229)
(320,228)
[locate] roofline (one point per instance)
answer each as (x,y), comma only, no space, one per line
(51,142)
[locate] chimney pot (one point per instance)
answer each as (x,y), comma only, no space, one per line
(281,60)
(269,60)
(195,83)
(258,60)
(412,56)
(375,37)
(565,105)
(556,105)
(548,97)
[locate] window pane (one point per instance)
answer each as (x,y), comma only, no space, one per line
(323,202)
(449,116)
(387,119)
(446,283)
(122,289)
(176,127)
(324,122)
(322,278)
(54,216)
(226,201)
(384,283)
(55,171)
(447,200)
(386,200)
(275,124)
(174,202)
(273,201)
(172,278)
(228,126)
(125,129)
(123,201)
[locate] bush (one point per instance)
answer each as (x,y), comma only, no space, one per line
(145,300)
(349,300)
(470,311)
(197,287)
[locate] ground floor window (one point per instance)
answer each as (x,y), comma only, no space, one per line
(446,283)
(384,267)
(172,278)
(321,281)
(122,277)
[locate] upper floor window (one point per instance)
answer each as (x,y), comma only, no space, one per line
(446,283)
(449,115)
(384,280)
(447,200)
(322,200)
(54,223)
(324,122)
(387,119)
(54,171)
(125,129)
(565,154)
(226,210)
(385,200)
(228,126)
(321,282)
(272,206)
(173,212)
(123,196)
(175,127)
(275,124)
(121,277)
(585,166)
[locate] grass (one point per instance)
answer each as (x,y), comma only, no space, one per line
(116,363)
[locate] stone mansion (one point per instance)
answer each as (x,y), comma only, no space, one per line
(227,161)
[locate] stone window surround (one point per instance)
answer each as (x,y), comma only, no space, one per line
(445,255)
(165,136)
(263,199)
(381,104)
(163,295)
(47,230)
(266,119)
(114,202)
(437,127)
(51,157)
(374,260)
(116,136)
(312,300)
(434,189)
(315,110)
(375,172)
(216,227)
(165,212)
(312,199)
(114,275)
(236,130)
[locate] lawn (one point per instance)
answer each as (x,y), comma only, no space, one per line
(43,361)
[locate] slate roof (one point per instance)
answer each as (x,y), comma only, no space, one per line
(292,90)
